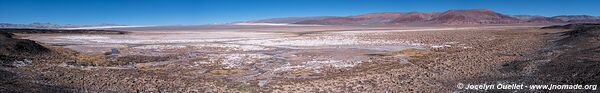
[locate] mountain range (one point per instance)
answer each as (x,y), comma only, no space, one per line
(450,17)
(50,25)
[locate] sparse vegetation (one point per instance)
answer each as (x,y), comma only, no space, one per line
(143,59)
(93,60)
(246,87)
(414,54)
(378,63)
(301,71)
(225,71)
(408,52)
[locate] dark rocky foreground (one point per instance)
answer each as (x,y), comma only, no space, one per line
(570,57)
(573,58)
(16,53)
(12,49)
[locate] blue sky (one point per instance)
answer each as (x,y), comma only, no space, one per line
(186,12)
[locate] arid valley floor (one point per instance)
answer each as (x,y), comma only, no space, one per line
(301,59)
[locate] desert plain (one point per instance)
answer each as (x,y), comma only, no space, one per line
(285,59)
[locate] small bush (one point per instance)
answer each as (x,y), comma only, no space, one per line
(409,52)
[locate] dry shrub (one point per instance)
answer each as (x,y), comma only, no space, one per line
(143,66)
(225,71)
(90,60)
(414,54)
(377,63)
(301,71)
(246,87)
(409,52)
(93,60)
(143,59)
(414,59)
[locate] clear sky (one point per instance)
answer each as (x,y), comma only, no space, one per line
(186,12)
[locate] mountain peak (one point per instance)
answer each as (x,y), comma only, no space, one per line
(471,10)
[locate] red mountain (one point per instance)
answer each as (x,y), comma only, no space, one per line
(450,17)
(332,21)
(474,17)
(415,17)
(375,18)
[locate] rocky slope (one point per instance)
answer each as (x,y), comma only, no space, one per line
(572,58)
(12,49)
(568,55)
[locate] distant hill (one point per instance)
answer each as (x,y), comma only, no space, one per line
(289,19)
(578,18)
(537,19)
(374,18)
(450,17)
(50,25)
